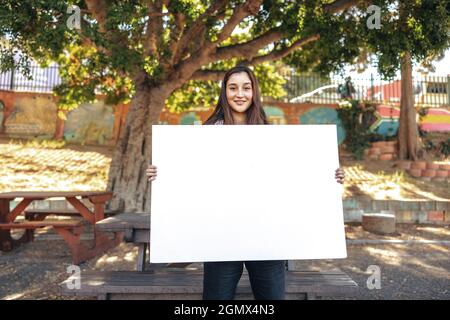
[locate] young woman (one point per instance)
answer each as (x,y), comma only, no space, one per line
(240,103)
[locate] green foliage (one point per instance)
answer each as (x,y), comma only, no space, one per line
(444,147)
(420,27)
(104,62)
(357,137)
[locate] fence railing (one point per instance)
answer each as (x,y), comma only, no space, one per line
(428,90)
(41,79)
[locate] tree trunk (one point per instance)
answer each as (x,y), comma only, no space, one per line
(407,132)
(132,155)
(59,131)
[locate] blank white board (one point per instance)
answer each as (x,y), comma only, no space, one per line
(245,192)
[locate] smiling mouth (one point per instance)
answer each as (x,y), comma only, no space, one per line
(240,102)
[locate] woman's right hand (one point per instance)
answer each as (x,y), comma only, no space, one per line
(151,172)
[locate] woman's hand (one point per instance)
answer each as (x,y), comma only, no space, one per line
(340,175)
(151,172)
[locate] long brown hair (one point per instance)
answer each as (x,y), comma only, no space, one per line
(255,113)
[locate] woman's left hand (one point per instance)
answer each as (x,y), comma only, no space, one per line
(340,175)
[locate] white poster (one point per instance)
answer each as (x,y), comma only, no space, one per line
(246,192)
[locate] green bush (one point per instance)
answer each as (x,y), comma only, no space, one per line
(357,137)
(444,147)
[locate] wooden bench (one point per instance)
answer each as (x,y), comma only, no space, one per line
(187,285)
(41,214)
(69,229)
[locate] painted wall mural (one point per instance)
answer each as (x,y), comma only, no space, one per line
(324,115)
(386,122)
(32,115)
(436,120)
(27,114)
(90,123)
(275,115)
(190,118)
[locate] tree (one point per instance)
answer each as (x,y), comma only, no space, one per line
(412,31)
(150,51)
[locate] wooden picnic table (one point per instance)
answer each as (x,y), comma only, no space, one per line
(69,230)
(163,281)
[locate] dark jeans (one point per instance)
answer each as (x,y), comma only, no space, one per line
(220,279)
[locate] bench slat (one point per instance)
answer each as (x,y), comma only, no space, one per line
(135,220)
(163,282)
(68,223)
(62,212)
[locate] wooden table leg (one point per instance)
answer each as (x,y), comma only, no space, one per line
(81,252)
(7,243)
(142,254)
(101,241)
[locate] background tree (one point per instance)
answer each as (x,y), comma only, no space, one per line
(412,31)
(150,49)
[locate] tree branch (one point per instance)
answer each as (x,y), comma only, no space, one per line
(98,10)
(250,7)
(341,5)
(208,75)
(210,53)
(192,32)
(180,20)
(154,28)
(278,54)
(248,49)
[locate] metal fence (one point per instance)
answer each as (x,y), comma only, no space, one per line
(41,79)
(428,90)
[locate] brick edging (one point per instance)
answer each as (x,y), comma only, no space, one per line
(412,211)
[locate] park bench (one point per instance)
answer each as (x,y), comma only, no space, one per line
(69,229)
(41,214)
(186,284)
(181,281)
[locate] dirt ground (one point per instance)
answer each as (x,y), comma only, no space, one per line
(408,271)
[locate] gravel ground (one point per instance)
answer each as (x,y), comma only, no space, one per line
(408,271)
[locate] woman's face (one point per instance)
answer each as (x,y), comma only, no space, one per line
(239,92)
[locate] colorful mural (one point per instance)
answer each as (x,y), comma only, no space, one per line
(324,115)
(190,119)
(275,115)
(32,116)
(436,120)
(90,123)
(386,122)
